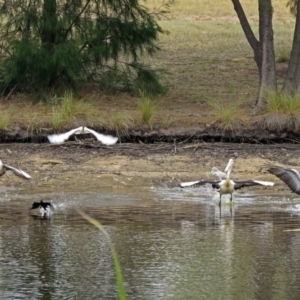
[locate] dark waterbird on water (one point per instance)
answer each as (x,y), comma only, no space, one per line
(227,186)
(290,177)
(44,206)
(18,172)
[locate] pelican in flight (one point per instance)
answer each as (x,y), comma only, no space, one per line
(104,139)
(62,137)
(290,177)
(227,186)
(18,172)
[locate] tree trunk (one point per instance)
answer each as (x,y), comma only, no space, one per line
(292,79)
(268,79)
(264,54)
(49,31)
(252,40)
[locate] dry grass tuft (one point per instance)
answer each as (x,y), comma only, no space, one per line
(228,115)
(120,123)
(283,112)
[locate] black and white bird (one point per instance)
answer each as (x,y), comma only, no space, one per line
(18,172)
(45,207)
(290,177)
(62,137)
(102,138)
(227,186)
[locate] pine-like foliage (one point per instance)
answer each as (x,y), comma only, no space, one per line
(54,44)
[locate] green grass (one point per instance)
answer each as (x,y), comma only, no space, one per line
(228,114)
(147,108)
(278,102)
(68,109)
(120,123)
(118,271)
(4,121)
(204,56)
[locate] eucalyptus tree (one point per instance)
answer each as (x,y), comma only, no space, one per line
(263,49)
(51,44)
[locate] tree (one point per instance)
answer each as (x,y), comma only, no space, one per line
(263,48)
(58,44)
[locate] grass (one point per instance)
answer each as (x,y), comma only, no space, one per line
(118,271)
(283,112)
(278,102)
(4,120)
(228,115)
(119,123)
(146,107)
(67,109)
(205,56)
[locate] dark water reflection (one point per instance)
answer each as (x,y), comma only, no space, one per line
(171,245)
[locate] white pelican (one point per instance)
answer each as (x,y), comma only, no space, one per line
(104,139)
(227,186)
(62,137)
(220,174)
(290,177)
(18,172)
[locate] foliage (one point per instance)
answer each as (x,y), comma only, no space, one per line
(66,108)
(146,107)
(118,271)
(228,115)
(281,102)
(119,123)
(283,111)
(54,44)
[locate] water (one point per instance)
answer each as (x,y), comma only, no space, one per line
(172,244)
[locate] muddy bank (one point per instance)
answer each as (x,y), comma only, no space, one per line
(88,164)
(201,133)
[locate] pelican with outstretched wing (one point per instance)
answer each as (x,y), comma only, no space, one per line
(62,137)
(290,177)
(227,186)
(16,171)
(104,139)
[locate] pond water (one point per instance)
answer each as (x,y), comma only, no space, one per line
(171,243)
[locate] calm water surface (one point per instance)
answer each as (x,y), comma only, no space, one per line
(172,244)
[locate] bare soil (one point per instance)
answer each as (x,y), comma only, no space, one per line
(87,164)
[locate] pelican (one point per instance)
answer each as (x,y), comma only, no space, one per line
(290,177)
(227,186)
(45,207)
(62,137)
(220,174)
(104,139)
(18,172)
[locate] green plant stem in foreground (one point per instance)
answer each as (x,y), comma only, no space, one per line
(119,277)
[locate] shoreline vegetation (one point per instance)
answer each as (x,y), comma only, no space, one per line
(211,80)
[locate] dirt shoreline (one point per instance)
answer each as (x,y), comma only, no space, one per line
(88,164)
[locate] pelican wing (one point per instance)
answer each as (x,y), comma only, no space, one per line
(35,205)
(17,172)
(215,171)
(241,184)
(62,137)
(215,184)
(104,139)
(289,176)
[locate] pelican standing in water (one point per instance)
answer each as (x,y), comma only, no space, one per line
(18,172)
(290,177)
(227,186)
